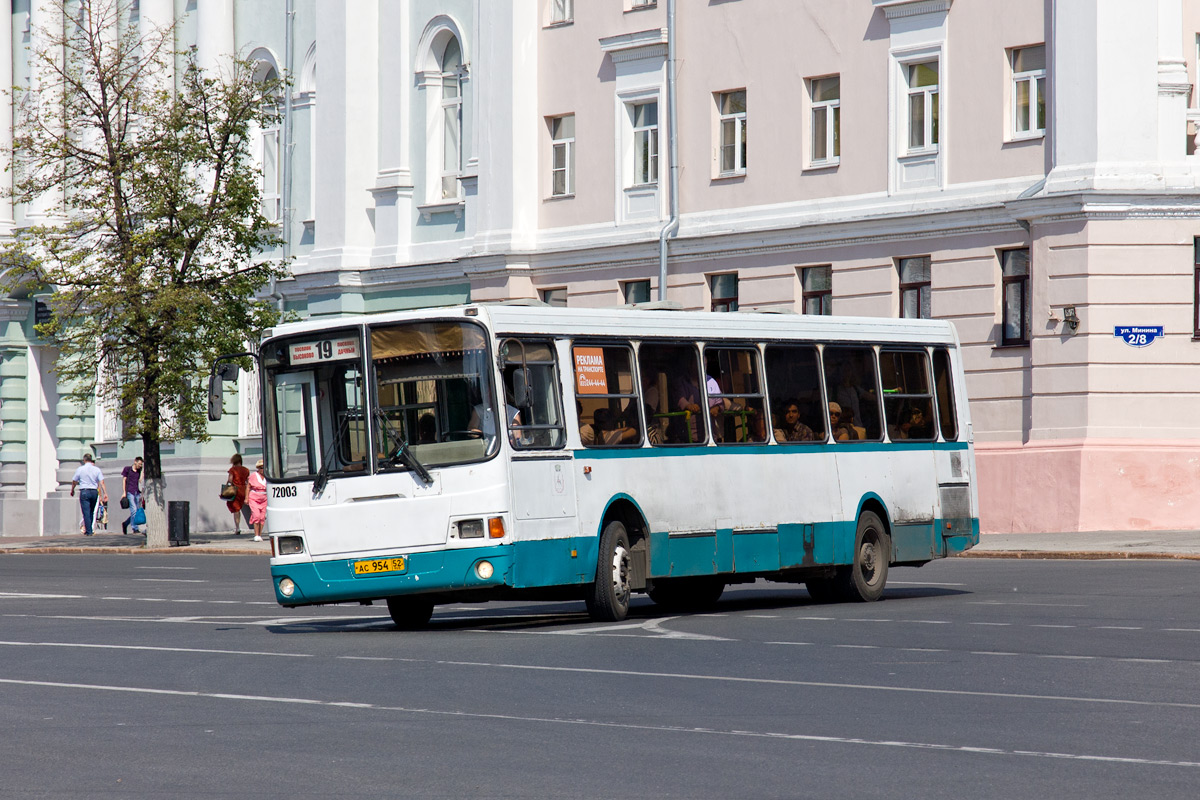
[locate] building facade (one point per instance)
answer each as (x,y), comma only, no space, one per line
(1026,169)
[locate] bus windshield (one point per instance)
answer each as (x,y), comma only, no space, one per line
(314,406)
(433,394)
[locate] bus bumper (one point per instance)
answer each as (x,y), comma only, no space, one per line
(334,581)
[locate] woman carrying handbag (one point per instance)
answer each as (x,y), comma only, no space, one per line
(239,478)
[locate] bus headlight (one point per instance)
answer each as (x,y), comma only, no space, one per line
(484,570)
(470,529)
(289,545)
(287,587)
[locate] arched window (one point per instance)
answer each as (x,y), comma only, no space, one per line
(452,118)
(443,69)
(267,147)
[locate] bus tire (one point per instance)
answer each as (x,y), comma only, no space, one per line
(867,576)
(687,594)
(608,600)
(410,613)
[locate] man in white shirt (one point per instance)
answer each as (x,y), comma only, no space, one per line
(90,481)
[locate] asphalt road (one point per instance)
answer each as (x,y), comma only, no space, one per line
(177,676)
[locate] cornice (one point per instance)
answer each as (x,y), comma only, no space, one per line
(911,8)
(636,46)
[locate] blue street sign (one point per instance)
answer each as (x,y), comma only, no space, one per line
(1138,335)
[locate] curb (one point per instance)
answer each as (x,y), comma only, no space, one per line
(1080,555)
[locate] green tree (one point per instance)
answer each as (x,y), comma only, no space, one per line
(144,217)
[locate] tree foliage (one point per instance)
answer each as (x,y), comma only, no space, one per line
(152,236)
(143,216)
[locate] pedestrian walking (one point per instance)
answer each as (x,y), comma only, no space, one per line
(90,481)
(257,496)
(239,477)
(132,476)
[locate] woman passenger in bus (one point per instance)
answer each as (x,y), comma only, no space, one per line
(789,428)
(604,431)
(842,430)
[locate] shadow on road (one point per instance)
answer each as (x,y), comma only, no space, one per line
(557,615)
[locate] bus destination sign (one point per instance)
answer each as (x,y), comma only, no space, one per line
(323,350)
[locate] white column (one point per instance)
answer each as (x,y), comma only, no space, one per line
(1105,100)
(504,125)
(154,16)
(6,129)
(45,33)
(214,32)
(346,135)
(1174,87)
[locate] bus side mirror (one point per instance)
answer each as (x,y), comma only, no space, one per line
(216,388)
(520,388)
(216,399)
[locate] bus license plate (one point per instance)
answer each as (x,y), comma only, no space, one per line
(377,566)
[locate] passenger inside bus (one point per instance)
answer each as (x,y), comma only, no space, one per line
(789,428)
(604,429)
(842,430)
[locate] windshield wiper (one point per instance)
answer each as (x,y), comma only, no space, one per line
(323,475)
(401,453)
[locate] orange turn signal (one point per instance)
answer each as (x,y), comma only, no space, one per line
(496,527)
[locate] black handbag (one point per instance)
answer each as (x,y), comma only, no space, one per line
(125,501)
(228,491)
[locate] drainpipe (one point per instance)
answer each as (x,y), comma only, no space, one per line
(672,226)
(289,15)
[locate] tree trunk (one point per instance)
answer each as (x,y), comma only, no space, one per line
(154,494)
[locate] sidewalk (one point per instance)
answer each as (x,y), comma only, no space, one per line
(223,543)
(1091,545)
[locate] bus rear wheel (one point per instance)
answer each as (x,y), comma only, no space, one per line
(410,613)
(687,594)
(867,576)
(608,600)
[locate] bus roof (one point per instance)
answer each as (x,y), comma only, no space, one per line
(630,322)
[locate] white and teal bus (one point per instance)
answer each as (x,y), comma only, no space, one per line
(525,452)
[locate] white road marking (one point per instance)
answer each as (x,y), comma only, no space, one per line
(32,596)
(1005,603)
(168,568)
(994,624)
(761,616)
(667,729)
(992,653)
(1116,628)
(1054,626)
(170,580)
(155,649)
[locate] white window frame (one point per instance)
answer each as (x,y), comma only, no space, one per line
(270,178)
(1035,79)
(652,131)
(831,109)
(562,12)
(928,93)
(637,5)
(737,122)
(452,111)
(566,145)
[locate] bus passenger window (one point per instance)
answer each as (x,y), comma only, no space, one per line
(850,385)
(944,382)
(674,400)
(907,396)
(606,399)
(735,399)
(531,388)
(794,381)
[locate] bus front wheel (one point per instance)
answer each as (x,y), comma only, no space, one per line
(608,600)
(410,613)
(865,579)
